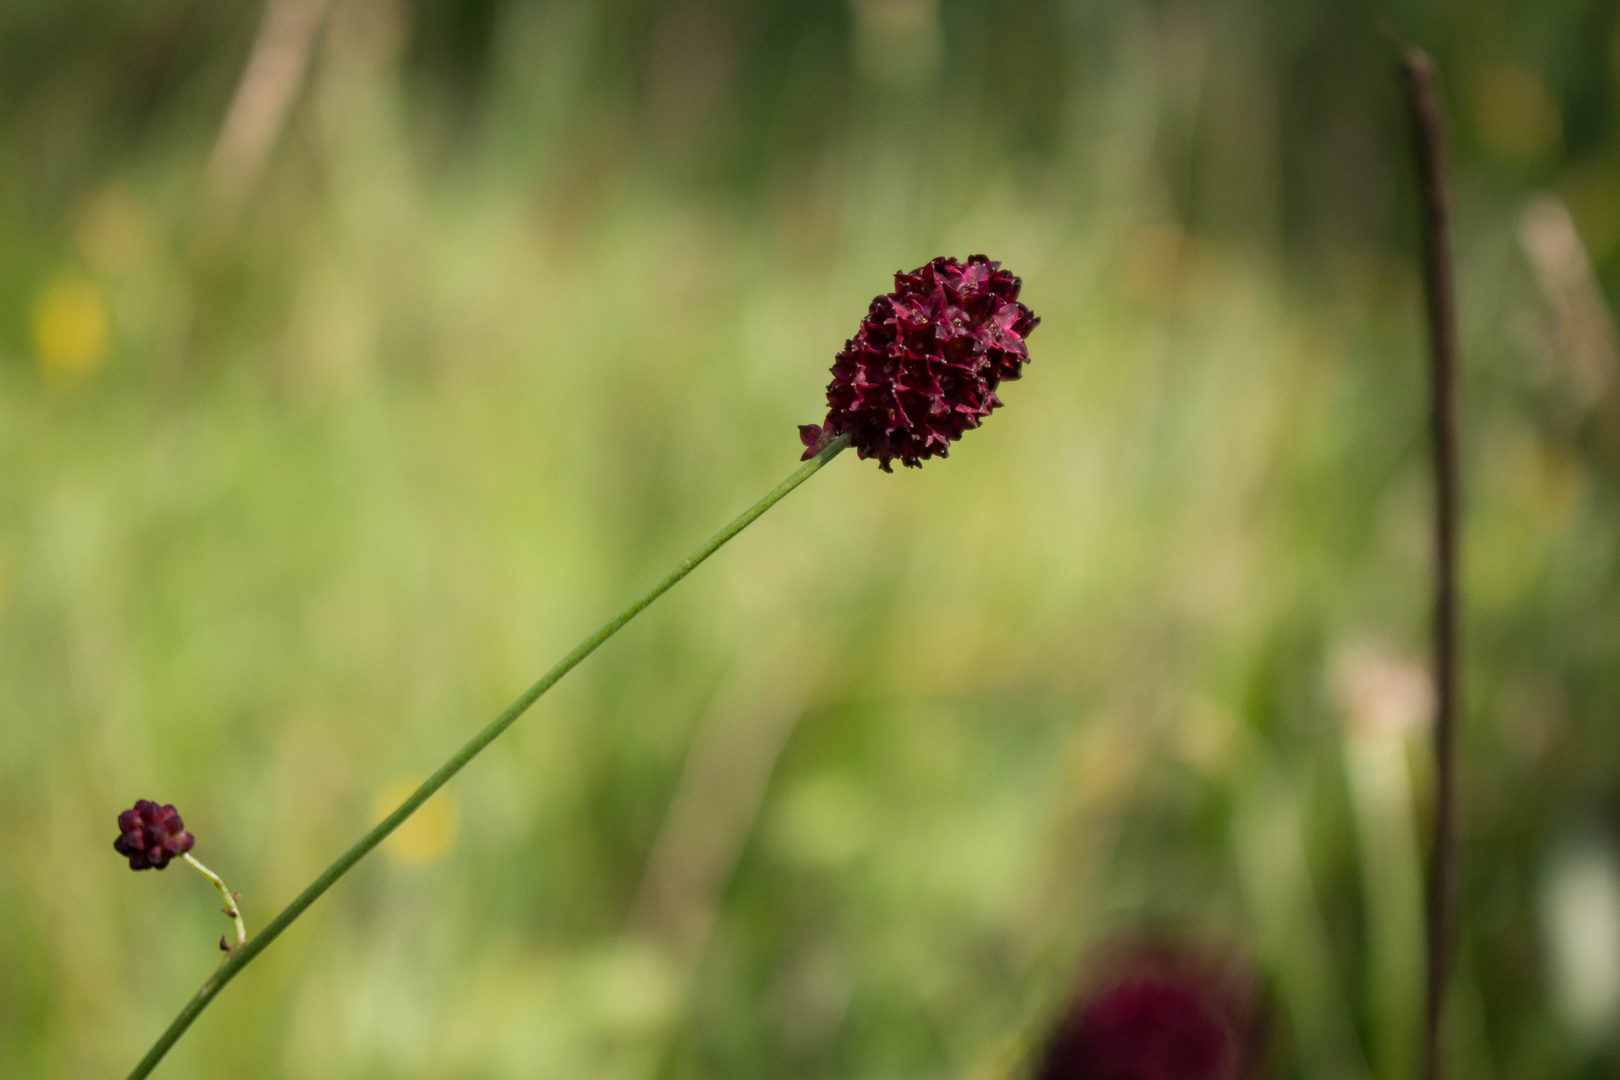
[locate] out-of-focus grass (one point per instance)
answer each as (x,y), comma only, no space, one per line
(291,504)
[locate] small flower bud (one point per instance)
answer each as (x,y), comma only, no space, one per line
(150,835)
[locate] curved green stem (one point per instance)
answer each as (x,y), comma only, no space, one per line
(233,910)
(244,956)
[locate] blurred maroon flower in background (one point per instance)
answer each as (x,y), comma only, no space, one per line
(1157,1014)
(926,361)
(150,835)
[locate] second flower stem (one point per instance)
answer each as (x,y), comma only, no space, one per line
(473,747)
(232,908)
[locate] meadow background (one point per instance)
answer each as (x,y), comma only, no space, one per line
(357,357)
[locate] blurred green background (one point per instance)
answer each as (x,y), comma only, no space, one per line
(357,357)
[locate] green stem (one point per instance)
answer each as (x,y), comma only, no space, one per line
(244,956)
(232,909)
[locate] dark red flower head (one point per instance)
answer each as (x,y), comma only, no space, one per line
(150,835)
(1159,1016)
(926,361)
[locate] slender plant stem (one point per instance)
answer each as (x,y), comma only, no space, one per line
(1428,128)
(345,862)
(232,909)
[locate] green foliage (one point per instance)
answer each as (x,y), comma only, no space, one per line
(527,299)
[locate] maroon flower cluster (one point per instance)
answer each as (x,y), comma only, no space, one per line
(1162,1016)
(150,835)
(926,361)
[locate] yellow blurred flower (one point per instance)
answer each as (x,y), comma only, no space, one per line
(72,328)
(427,834)
(1516,114)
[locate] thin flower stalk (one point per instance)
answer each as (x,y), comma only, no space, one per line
(252,947)
(233,907)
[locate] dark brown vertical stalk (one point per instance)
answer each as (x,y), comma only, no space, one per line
(1428,129)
